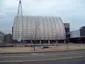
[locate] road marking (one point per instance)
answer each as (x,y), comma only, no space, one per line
(38,54)
(61,58)
(34,54)
(12,56)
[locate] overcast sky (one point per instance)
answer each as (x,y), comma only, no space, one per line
(72,11)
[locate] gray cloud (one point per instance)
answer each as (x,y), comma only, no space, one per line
(68,10)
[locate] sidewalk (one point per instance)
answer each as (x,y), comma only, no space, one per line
(63,47)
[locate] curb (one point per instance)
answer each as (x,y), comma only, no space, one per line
(42,51)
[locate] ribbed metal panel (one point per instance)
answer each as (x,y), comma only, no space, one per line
(39,28)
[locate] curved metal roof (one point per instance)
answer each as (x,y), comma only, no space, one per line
(39,28)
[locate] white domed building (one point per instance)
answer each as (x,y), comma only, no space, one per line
(31,28)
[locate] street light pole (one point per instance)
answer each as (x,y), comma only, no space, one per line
(35,33)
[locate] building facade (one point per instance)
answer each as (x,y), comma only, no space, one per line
(78,36)
(1,37)
(67,29)
(8,38)
(38,28)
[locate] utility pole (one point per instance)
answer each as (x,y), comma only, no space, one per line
(35,34)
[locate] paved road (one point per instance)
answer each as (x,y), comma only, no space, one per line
(71,57)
